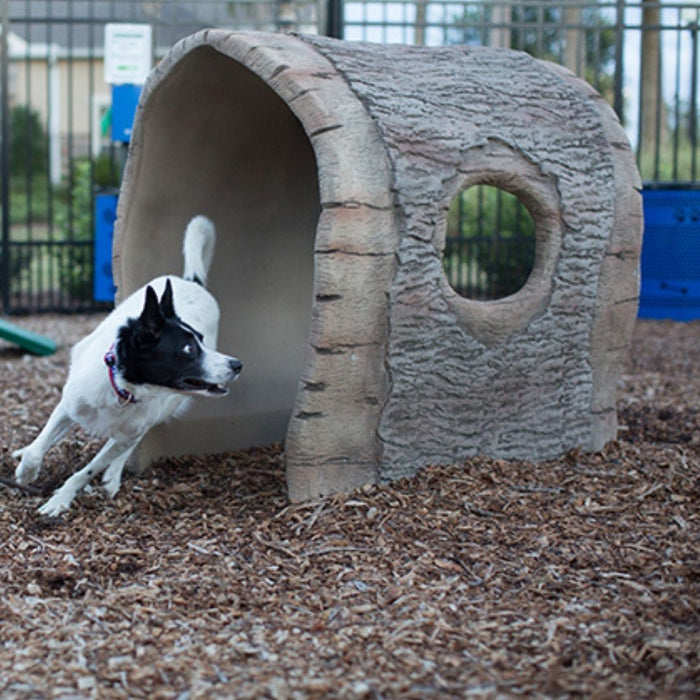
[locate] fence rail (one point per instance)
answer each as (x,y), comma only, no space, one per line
(57,152)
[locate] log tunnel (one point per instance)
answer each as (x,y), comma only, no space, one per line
(329,181)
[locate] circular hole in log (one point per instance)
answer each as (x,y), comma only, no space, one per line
(490,243)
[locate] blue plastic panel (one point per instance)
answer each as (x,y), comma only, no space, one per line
(125,99)
(105,215)
(671,255)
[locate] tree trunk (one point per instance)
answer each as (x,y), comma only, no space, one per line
(574,56)
(421,18)
(499,34)
(651,101)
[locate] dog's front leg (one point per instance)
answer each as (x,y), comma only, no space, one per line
(112,452)
(56,427)
(112,478)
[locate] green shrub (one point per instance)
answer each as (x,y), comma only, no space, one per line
(106,171)
(20,260)
(75,221)
(28,142)
(30,199)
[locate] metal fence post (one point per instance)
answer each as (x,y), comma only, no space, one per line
(5,159)
(618,99)
(334,19)
(693,114)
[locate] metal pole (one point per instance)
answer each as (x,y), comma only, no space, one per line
(693,115)
(5,158)
(618,104)
(334,19)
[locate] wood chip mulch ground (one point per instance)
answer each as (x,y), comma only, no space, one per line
(575,578)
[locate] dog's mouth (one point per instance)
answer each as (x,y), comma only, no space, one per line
(200,386)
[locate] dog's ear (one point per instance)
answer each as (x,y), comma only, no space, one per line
(166,301)
(151,317)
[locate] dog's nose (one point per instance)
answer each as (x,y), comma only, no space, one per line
(235,366)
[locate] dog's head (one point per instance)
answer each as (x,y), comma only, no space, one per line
(159,348)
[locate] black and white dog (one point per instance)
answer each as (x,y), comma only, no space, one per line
(138,368)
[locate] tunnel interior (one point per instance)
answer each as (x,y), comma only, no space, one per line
(215,139)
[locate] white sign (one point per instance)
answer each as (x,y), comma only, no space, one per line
(128,53)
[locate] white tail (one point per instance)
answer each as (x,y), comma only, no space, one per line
(198,249)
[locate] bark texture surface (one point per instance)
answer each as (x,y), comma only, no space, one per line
(533,375)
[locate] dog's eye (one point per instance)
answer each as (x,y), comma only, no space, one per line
(188,349)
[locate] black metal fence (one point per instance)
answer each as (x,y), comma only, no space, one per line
(641,56)
(58,152)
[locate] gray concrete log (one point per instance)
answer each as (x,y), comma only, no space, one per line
(328,168)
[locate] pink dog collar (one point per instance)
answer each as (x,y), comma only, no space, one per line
(123,395)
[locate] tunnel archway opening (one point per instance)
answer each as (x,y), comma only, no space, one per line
(215,139)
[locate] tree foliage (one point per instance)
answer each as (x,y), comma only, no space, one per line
(28,142)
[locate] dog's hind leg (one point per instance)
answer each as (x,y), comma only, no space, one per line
(112,452)
(56,427)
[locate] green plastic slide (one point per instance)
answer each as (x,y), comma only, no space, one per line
(32,342)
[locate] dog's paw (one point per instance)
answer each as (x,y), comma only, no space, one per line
(112,485)
(28,469)
(56,505)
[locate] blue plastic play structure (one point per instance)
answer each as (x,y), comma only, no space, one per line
(671,255)
(105,215)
